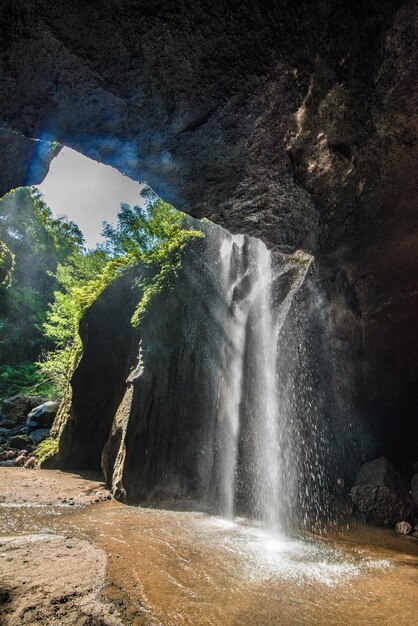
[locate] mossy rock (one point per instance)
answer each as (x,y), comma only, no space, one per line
(47,453)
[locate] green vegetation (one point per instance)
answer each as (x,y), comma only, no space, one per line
(38,242)
(155,236)
(7,261)
(55,280)
(34,242)
(24,378)
(77,290)
(46,449)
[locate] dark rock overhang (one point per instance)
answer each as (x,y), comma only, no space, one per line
(288,121)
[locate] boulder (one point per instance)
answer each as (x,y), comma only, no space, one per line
(39,435)
(20,460)
(380,494)
(20,442)
(30,463)
(42,416)
(15,410)
(403,527)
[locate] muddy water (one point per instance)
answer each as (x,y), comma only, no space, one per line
(176,568)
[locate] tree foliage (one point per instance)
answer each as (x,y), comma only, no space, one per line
(76,290)
(7,260)
(38,242)
(23,378)
(155,235)
(33,242)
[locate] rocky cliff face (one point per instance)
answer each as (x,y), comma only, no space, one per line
(293,123)
(98,383)
(158,424)
(151,418)
(290,122)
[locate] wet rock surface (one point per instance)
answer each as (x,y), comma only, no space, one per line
(381,495)
(160,413)
(135,396)
(98,384)
(25,422)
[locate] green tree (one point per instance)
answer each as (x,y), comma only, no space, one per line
(38,242)
(7,260)
(78,287)
(155,235)
(33,242)
(55,279)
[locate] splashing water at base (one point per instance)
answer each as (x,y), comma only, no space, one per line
(268,555)
(204,571)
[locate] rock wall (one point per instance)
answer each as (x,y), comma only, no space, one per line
(98,383)
(293,123)
(146,402)
(153,415)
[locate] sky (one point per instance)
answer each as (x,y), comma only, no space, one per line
(87,192)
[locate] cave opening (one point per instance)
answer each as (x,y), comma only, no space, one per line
(233,399)
(110,346)
(246,382)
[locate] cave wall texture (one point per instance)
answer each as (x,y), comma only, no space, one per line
(293,122)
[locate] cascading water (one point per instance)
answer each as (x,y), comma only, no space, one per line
(252,435)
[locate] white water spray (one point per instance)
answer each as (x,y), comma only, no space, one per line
(251,461)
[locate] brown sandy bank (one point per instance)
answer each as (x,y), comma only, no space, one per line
(48,578)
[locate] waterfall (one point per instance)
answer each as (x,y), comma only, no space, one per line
(251,463)
(220,416)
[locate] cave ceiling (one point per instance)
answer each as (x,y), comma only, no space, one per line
(290,121)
